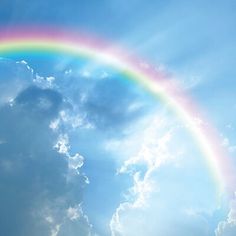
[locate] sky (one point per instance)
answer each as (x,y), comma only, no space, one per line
(85,152)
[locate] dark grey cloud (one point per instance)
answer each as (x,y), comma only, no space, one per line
(107,105)
(35,191)
(43,103)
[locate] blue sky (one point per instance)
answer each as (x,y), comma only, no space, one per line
(84,153)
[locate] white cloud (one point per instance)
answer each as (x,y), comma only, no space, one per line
(153,152)
(25,63)
(68,72)
(54,124)
(159,197)
(62,145)
(74,121)
(76,161)
(44,82)
(228,226)
(134,106)
(153,149)
(85,74)
(74,213)
(55,230)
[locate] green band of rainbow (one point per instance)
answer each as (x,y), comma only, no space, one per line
(218,162)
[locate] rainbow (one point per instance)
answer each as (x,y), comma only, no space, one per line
(51,41)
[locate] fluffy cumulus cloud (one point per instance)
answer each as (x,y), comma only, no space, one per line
(40,182)
(163,200)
